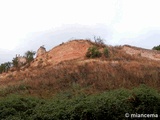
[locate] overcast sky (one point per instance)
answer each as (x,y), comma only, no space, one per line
(28,24)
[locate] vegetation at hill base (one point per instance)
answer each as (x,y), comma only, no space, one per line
(112,105)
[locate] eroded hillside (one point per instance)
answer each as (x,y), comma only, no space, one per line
(150,54)
(66,65)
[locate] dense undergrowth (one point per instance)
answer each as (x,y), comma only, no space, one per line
(109,105)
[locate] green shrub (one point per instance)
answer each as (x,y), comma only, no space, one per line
(106,52)
(156,47)
(17,108)
(15,62)
(145,100)
(29,55)
(5,67)
(93,52)
(109,105)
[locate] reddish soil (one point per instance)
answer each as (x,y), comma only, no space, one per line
(72,50)
(150,54)
(68,51)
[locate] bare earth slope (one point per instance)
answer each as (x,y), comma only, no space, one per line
(150,54)
(67,51)
(65,64)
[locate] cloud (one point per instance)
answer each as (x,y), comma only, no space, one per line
(6,55)
(148,39)
(30,24)
(51,38)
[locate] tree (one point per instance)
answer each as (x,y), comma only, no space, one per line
(30,56)
(15,62)
(5,67)
(2,68)
(156,47)
(99,41)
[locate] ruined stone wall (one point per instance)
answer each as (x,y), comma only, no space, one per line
(41,51)
(21,60)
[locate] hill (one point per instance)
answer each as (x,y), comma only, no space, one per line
(66,68)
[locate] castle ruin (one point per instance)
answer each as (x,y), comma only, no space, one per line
(21,60)
(41,51)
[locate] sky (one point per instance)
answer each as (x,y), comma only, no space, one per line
(29,24)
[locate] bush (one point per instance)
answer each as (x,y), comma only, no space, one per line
(17,108)
(15,62)
(99,41)
(30,56)
(93,52)
(5,67)
(145,100)
(109,105)
(156,47)
(106,52)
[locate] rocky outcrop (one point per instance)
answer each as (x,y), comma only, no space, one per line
(21,60)
(41,51)
(67,51)
(150,54)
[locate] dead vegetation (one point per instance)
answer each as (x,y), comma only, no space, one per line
(91,75)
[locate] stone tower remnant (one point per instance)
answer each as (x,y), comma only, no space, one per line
(41,51)
(21,60)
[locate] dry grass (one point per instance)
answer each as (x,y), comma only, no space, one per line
(91,75)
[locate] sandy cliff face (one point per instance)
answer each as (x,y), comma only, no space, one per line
(76,49)
(150,54)
(68,51)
